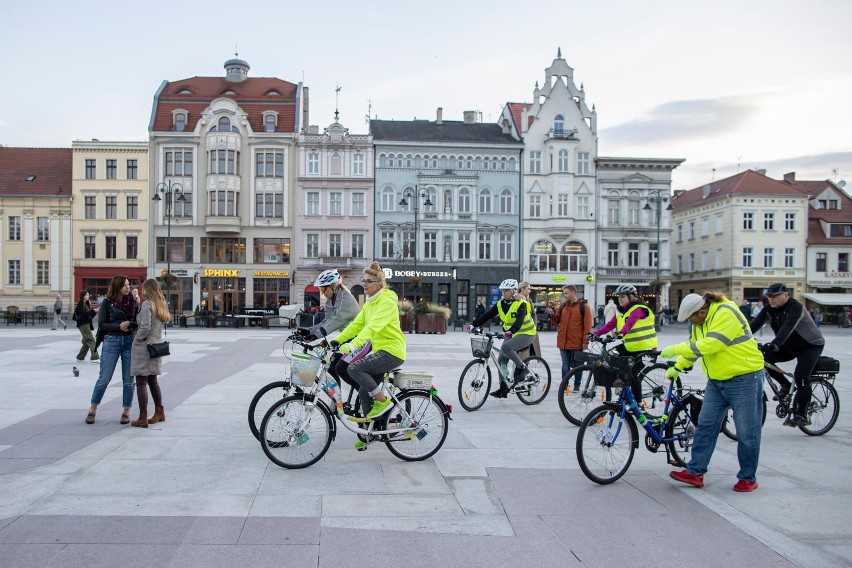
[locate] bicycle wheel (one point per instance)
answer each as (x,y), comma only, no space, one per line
(680,423)
(823,408)
(729,428)
(536,385)
(575,404)
(604,456)
(655,386)
(474,385)
(427,415)
(260,403)
(295,432)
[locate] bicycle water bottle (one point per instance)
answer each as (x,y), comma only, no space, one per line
(640,416)
(332,389)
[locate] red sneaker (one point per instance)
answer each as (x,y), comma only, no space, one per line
(688,478)
(744,486)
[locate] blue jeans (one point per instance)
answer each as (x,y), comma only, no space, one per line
(115,346)
(743,394)
(568,362)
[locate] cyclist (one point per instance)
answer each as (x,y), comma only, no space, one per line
(377,323)
(719,335)
(518,332)
(524,290)
(340,309)
(633,320)
(796,337)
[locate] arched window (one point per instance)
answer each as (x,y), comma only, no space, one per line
(506,201)
(180,121)
(493,163)
(558,124)
(469,164)
(336,165)
(269,122)
(563,160)
(543,257)
(485,201)
(503,163)
(511,164)
(383,161)
(432,198)
(573,258)
(224,124)
(409,161)
(633,208)
(464,200)
(388,199)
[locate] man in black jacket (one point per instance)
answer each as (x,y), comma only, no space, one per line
(796,337)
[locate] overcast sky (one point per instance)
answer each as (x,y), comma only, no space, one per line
(727,85)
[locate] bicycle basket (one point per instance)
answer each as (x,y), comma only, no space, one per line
(304,368)
(406,380)
(481,346)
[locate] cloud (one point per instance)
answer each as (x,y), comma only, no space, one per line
(679,120)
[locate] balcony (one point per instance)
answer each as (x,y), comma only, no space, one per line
(342,262)
(222,224)
(633,273)
(570,135)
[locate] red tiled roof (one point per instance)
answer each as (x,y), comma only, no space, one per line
(748,182)
(252,95)
(816,234)
(517,110)
(50,166)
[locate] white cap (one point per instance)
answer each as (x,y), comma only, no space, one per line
(689,305)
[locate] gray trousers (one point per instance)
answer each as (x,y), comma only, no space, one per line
(510,349)
(369,372)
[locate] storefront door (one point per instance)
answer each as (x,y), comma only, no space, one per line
(222,302)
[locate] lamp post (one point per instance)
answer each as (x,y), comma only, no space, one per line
(416,195)
(659,200)
(169,190)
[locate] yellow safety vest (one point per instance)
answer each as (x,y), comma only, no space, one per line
(508,318)
(642,336)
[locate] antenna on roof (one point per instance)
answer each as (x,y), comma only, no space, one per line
(713,177)
(337,89)
(834,171)
(369,111)
(236,51)
(738,163)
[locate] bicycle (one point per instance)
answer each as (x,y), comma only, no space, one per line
(608,437)
(823,408)
(575,403)
(271,393)
(475,380)
(297,431)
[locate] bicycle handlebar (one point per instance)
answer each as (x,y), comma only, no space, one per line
(492,334)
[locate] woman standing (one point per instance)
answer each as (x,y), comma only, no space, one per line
(83,315)
(116,324)
(153,315)
(378,323)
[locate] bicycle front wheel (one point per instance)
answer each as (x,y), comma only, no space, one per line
(655,386)
(295,432)
(604,451)
(474,385)
(537,383)
(575,402)
(426,416)
(823,408)
(262,401)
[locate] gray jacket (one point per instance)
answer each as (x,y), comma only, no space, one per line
(340,310)
(150,331)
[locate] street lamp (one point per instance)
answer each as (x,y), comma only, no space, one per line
(659,200)
(416,195)
(169,190)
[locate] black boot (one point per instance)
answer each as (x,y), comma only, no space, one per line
(502,392)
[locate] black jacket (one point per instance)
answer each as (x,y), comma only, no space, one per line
(84,314)
(793,326)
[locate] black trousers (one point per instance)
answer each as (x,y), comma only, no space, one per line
(806,360)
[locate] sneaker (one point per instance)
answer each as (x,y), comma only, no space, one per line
(685,477)
(796,421)
(379,408)
(360,445)
(502,392)
(744,486)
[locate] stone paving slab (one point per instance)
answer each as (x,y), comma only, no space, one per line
(197,490)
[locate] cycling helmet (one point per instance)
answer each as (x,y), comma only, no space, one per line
(509,284)
(327,277)
(627,289)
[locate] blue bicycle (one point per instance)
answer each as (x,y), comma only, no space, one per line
(609,435)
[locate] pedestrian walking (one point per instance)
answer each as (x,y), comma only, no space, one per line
(57,314)
(152,317)
(84,313)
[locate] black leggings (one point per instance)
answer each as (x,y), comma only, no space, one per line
(142,384)
(806,360)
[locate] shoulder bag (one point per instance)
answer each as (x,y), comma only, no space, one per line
(157,350)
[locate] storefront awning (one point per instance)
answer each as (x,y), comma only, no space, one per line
(827,299)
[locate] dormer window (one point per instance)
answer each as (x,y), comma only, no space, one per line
(229,92)
(179,119)
(273,93)
(224,125)
(270,121)
(184,92)
(558,124)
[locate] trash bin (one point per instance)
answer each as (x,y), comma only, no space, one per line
(182,321)
(211,321)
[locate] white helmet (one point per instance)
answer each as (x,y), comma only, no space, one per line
(627,289)
(509,284)
(327,277)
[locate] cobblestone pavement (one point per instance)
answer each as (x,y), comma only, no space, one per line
(505,488)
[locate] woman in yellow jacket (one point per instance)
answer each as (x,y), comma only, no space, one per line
(721,338)
(378,323)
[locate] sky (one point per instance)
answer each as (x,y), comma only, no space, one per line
(726,85)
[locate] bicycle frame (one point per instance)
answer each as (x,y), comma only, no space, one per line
(655,431)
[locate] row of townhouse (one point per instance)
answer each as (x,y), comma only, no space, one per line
(242,203)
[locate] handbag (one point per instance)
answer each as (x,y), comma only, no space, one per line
(157,350)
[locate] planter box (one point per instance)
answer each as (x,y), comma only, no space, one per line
(431,323)
(406,322)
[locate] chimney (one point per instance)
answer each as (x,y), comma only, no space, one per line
(440,119)
(791,177)
(470,117)
(761,171)
(705,191)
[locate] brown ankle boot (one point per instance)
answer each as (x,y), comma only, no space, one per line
(142,422)
(158,416)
